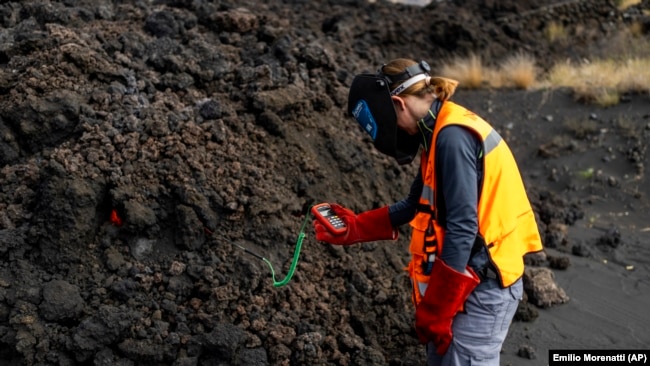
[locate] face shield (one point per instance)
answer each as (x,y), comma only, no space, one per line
(370,103)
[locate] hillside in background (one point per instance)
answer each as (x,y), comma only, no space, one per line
(142,141)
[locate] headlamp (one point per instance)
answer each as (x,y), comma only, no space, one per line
(421,67)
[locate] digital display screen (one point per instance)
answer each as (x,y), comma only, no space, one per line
(326,211)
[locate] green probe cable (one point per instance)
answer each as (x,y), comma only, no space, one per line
(294,262)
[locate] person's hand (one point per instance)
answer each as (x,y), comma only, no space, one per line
(367,226)
(445,295)
(347,216)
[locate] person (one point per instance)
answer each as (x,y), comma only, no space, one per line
(471,219)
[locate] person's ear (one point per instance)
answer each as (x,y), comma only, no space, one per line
(399,103)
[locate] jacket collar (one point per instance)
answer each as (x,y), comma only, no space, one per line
(428,122)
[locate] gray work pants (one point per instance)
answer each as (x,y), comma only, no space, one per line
(479,332)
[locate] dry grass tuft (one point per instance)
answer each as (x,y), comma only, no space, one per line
(602,97)
(624,4)
(635,75)
(636,29)
(582,128)
(555,32)
(468,71)
(519,71)
(624,68)
(603,81)
(626,127)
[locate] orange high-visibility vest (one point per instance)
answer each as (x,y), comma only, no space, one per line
(505,218)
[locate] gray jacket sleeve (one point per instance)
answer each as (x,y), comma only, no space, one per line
(403,211)
(459,173)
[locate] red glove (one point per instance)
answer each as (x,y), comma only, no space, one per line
(446,293)
(367,226)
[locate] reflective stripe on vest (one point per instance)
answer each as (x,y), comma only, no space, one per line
(505,217)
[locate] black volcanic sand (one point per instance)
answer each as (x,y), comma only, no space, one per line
(204,126)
